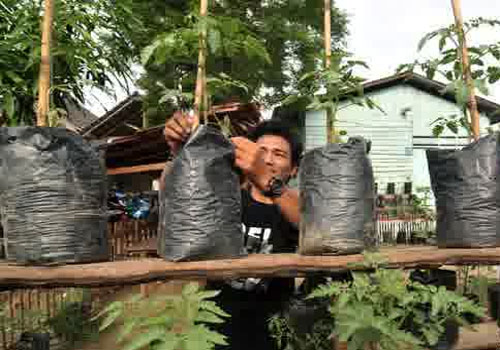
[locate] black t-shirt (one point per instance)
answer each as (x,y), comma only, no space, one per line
(250,301)
(266,229)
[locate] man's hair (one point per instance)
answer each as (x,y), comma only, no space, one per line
(278,128)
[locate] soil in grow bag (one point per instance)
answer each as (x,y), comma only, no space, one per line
(337,199)
(52,197)
(201,201)
(465,185)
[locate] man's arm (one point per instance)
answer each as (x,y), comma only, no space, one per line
(289,204)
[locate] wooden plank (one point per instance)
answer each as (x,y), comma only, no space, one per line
(136,272)
(136,169)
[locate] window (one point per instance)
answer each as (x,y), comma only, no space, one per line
(391,188)
(408,188)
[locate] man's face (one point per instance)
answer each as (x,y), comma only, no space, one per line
(277,155)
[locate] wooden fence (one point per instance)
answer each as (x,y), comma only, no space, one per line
(123,235)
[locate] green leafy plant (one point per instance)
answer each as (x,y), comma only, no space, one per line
(333,89)
(167,321)
(288,338)
(72,321)
(383,309)
(484,66)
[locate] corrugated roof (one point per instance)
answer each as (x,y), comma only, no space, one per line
(489,108)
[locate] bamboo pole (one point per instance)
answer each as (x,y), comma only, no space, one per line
(472,104)
(328,33)
(330,128)
(44,74)
(200,99)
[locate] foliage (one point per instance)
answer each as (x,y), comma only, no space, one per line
(287,337)
(72,321)
(90,48)
(167,321)
(69,321)
(484,66)
(325,88)
(383,307)
(33,321)
(263,46)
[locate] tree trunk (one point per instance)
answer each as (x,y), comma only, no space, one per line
(330,127)
(201,99)
(44,74)
(472,104)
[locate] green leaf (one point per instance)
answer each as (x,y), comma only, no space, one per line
(214,337)
(452,125)
(437,130)
(208,294)
(141,340)
(425,39)
(214,41)
(212,307)
(8,104)
(481,85)
(208,317)
(190,289)
(442,42)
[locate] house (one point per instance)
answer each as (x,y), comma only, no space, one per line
(401,135)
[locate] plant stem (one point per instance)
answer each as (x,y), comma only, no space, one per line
(472,105)
(44,74)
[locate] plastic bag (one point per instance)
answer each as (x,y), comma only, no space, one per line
(52,197)
(464,183)
(337,199)
(201,211)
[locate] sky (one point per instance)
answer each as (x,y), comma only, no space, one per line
(385,33)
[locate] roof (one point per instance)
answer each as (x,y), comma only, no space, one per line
(433,87)
(79,116)
(149,146)
(129,110)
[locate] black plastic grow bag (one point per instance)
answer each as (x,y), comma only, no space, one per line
(465,186)
(337,199)
(201,202)
(52,197)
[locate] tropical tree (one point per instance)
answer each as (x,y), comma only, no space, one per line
(91,46)
(256,49)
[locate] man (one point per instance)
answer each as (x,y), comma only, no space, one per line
(269,158)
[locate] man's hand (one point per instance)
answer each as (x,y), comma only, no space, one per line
(177,130)
(250,159)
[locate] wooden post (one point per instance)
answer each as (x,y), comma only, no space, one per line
(44,74)
(330,128)
(472,105)
(200,92)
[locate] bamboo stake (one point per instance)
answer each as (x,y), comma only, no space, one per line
(330,128)
(328,33)
(201,83)
(472,105)
(44,74)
